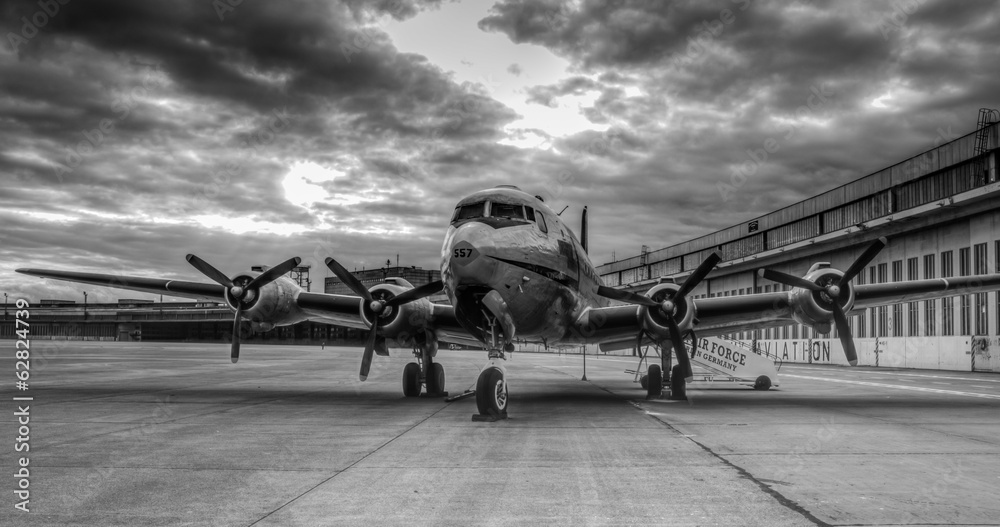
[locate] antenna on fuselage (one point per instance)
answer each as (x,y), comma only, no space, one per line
(583,229)
(562,211)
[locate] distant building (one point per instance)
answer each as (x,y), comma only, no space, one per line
(188,321)
(941,213)
(370,277)
(133,319)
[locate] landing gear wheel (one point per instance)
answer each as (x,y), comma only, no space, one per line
(491,394)
(644,382)
(435,379)
(411,380)
(678,390)
(763,383)
(654,381)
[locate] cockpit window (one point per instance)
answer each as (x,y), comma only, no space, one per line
(529,213)
(541,223)
(504,210)
(468,212)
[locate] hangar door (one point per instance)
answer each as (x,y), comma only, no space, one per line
(986,354)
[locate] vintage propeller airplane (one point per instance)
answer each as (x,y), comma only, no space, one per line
(512,269)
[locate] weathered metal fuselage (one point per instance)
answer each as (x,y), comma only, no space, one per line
(535,263)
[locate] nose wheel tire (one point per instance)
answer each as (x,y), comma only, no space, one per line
(411,380)
(491,394)
(654,381)
(435,379)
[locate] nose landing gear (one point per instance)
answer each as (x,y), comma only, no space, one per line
(491,387)
(492,395)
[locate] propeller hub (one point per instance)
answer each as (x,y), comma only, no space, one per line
(833,290)
(376,306)
(237,291)
(668,307)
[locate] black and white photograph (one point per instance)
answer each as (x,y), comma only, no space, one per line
(500,262)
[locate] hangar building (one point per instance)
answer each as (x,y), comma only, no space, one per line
(940,211)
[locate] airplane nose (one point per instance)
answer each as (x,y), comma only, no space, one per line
(464,253)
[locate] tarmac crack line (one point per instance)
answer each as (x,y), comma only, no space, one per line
(352,465)
(779,497)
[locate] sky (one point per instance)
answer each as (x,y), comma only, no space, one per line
(133,133)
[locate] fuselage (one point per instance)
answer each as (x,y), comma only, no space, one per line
(505,240)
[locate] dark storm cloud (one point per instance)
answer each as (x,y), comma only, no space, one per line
(179,110)
(621,34)
(545,95)
(719,79)
(123,121)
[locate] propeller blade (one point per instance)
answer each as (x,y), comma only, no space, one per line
(366,359)
(349,279)
(863,260)
(625,296)
(699,274)
(209,271)
(273,273)
(234,353)
(679,350)
(416,293)
(789,280)
(844,331)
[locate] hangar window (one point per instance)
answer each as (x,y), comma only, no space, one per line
(470,211)
(506,210)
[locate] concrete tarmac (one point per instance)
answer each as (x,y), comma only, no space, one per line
(174,434)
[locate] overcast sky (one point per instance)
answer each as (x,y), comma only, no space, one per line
(132,133)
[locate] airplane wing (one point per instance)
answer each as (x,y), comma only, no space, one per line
(617,326)
(723,315)
(341,310)
(823,299)
(158,286)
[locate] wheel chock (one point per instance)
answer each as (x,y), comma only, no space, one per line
(489,418)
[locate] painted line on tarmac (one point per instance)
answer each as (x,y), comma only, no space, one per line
(824,370)
(898,387)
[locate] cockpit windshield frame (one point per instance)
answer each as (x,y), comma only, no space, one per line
(509,211)
(471,211)
(491,211)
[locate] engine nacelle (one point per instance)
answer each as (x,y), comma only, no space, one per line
(815,308)
(655,321)
(405,325)
(269,306)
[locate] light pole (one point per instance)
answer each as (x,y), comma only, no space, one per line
(5,306)
(85,305)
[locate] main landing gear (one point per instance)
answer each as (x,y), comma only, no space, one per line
(424,373)
(653,380)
